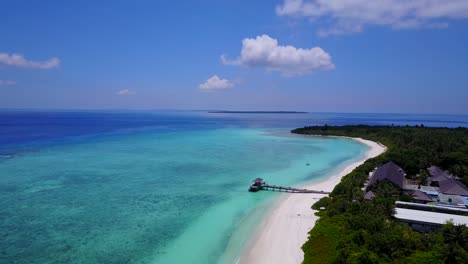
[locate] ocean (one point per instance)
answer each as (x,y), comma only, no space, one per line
(156,186)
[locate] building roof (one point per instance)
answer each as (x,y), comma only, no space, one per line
(389,171)
(441,208)
(423,188)
(450,199)
(369,195)
(439,178)
(465,201)
(435,171)
(433,193)
(429,217)
(421,196)
(438,174)
(452,186)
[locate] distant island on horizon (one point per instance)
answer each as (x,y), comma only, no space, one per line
(256,112)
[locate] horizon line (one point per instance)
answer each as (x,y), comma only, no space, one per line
(218,110)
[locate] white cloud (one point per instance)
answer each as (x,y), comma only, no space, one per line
(264,51)
(215,83)
(7,83)
(18,60)
(125,92)
(338,17)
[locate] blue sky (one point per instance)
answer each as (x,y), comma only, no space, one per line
(345,57)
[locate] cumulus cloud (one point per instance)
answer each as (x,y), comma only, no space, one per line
(18,60)
(337,17)
(125,92)
(264,52)
(216,83)
(7,83)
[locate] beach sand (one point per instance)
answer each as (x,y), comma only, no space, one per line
(286,227)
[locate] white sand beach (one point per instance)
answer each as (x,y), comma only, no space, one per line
(286,227)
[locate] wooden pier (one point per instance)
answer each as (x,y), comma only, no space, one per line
(259,184)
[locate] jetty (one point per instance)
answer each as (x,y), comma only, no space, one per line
(259,184)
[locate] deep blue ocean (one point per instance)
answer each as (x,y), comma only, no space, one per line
(19,128)
(156,186)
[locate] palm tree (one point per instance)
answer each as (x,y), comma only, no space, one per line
(456,234)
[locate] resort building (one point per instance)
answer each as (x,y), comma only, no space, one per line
(257,185)
(421,197)
(452,186)
(435,171)
(369,195)
(435,181)
(447,183)
(429,218)
(431,191)
(451,200)
(443,188)
(389,172)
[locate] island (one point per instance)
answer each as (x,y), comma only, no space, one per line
(256,112)
(379,213)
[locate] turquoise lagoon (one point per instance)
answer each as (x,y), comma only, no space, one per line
(151,196)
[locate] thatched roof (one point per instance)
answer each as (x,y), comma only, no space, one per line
(421,196)
(369,195)
(390,172)
(452,186)
(435,171)
(438,174)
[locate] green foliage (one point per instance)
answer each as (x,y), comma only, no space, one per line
(321,203)
(353,230)
(419,257)
(456,234)
(323,241)
(422,177)
(364,257)
(413,148)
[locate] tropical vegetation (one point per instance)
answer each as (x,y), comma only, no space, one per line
(352,229)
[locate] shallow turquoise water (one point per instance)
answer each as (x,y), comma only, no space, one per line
(151,197)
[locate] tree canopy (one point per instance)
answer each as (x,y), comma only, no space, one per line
(354,230)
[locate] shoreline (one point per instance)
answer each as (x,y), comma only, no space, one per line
(286,226)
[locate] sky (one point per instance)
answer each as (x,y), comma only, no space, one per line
(382,56)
